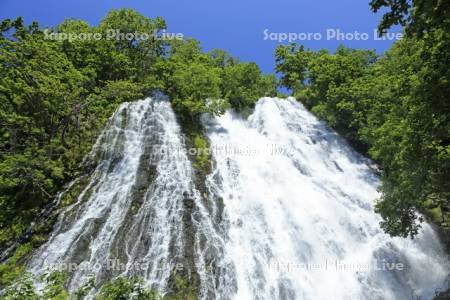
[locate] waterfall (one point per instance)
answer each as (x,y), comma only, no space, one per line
(134,216)
(298,212)
(286,213)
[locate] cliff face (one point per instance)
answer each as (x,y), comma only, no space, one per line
(284,194)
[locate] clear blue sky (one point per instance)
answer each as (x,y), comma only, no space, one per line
(233,25)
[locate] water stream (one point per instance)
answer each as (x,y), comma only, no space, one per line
(287,212)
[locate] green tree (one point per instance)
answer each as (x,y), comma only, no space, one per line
(394,108)
(39,89)
(243,84)
(417,16)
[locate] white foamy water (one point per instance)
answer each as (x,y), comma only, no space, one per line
(287,212)
(132,218)
(299,220)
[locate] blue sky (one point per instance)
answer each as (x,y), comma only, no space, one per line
(232,25)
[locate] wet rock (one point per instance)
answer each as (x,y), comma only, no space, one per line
(338,167)
(188,203)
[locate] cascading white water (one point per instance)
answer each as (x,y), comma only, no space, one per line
(298,215)
(134,215)
(287,199)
